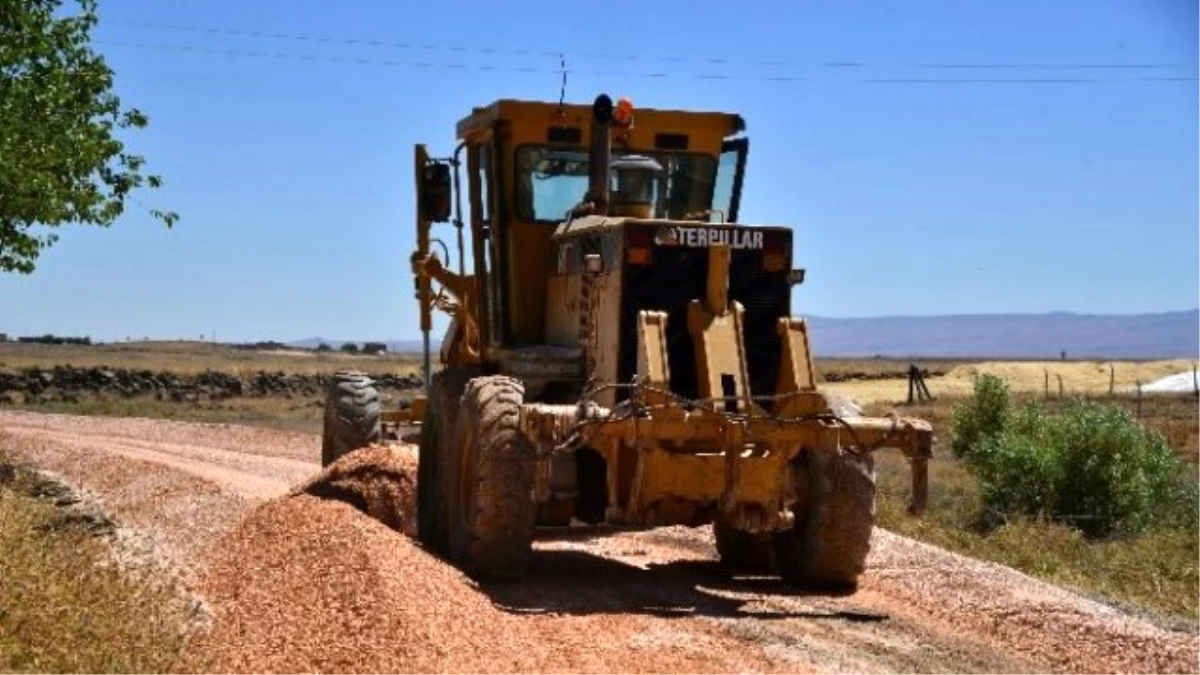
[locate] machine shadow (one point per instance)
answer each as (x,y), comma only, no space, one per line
(581,583)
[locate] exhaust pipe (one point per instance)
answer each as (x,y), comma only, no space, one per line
(600,157)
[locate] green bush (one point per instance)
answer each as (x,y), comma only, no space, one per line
(984,414)
(1091,466)
(1017,469)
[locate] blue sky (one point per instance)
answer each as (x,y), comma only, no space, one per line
(293,176)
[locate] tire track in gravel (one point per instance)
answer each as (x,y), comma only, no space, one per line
(257,478)
(918,609)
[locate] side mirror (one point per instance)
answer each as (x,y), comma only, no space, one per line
(433,197)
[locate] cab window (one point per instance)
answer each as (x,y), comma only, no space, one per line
(551,181)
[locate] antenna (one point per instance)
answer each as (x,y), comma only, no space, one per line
(562,92)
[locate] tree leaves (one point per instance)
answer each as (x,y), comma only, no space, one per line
(60,161)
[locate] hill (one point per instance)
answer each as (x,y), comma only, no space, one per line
(1135,336)
(1007,336)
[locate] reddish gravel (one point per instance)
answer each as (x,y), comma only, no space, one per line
(1045,623)
(379,481)
(308,584)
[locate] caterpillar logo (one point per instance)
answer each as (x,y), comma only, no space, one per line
(703,237)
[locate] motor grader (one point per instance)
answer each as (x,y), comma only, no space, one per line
(620,352)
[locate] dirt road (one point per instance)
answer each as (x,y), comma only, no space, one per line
(642,601)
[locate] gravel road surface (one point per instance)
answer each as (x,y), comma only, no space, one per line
(299,583)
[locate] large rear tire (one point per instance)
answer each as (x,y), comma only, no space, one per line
(828,545)
(352,416)
(491,528)
(744,551)
(433,467)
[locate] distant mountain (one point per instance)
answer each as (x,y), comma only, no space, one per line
(1029,336)
(1133,336)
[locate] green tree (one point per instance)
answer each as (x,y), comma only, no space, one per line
(350,348)
(60,159)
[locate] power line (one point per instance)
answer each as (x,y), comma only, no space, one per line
(668,58)
(362,61)
(363,42)
(320,57)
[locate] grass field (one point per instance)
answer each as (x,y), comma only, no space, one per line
(189,357)
(957,379)
(64,608)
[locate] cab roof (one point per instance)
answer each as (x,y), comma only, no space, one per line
(728,124)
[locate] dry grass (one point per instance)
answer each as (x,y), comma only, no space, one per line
(1158,572)
(188,358)
(64,608)
(957,379)
(832,369)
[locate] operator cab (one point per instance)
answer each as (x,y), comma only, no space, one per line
(549,185)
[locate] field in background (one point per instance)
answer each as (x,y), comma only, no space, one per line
(189,358)
(955,379)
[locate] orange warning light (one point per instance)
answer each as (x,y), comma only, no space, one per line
(623,115)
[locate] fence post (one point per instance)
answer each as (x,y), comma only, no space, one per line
(1060,387)
(1046,385)
(1112,380)
(1139,399)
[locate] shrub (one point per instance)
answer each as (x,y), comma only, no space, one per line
(1016,467)
(982,415)
(1093,466)
(324,347)
(350,348)
(1117,474)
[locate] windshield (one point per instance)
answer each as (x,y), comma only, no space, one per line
(550,181)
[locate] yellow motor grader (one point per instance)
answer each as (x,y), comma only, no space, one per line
(620,351)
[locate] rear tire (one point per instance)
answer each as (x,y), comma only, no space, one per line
(742,550)
(433,466)
(491,533)
(352,416)
(828,545)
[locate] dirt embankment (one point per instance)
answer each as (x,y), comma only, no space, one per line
(302,583)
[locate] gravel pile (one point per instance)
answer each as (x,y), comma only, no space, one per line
(379,481)
(312,585)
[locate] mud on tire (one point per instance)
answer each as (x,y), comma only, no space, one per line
(352,416)
(827,548)
(491,526)
(434,460)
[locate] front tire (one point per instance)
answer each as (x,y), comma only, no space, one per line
(491,534)
(352,416)
(828,545)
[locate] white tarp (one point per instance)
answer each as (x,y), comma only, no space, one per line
(1179,382)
